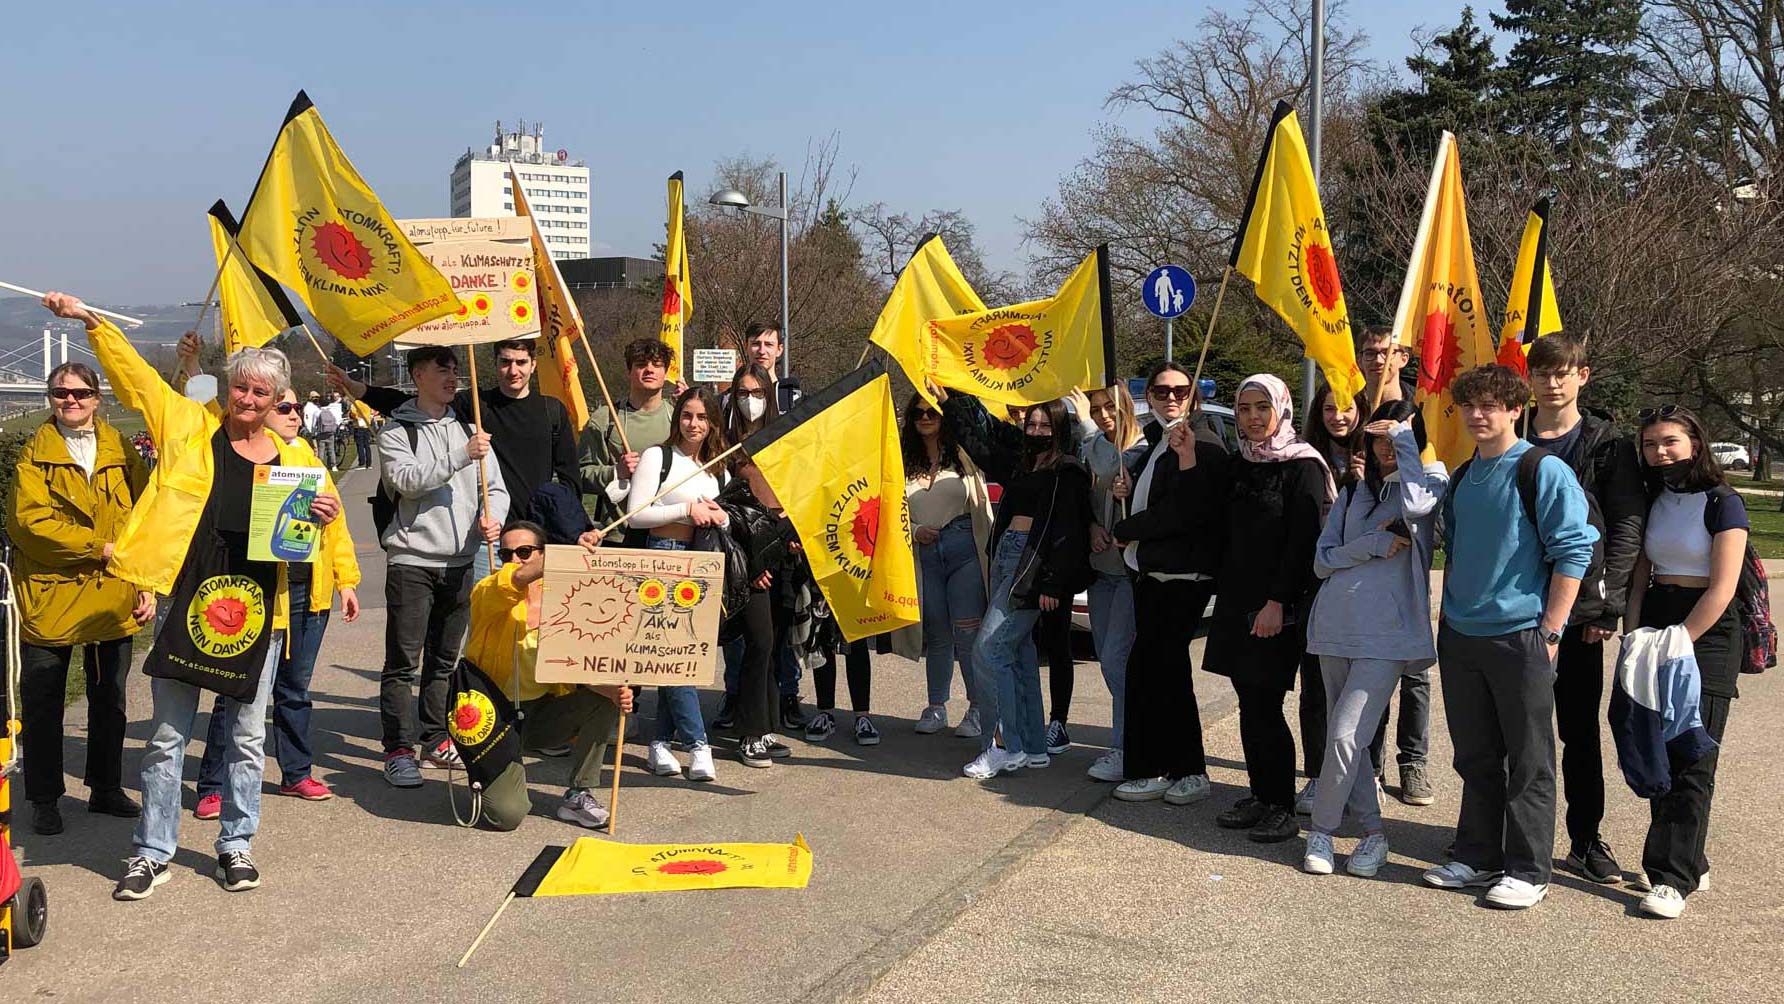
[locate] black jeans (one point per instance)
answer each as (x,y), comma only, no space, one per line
(1053,637)
(1579,700)
(1268,744)
(43,682)
(1162,726)
(758,696)
(427,612)
(860,670)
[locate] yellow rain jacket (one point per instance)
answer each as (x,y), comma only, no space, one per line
(499,641)
(60,522)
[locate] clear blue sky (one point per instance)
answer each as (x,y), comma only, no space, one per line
(127,119)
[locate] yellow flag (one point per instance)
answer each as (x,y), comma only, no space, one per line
(1285,250)
(562,323)
(835,463)
(592,867)
(1532,293)
(678,283)
(315,225)
(252,307)
(930,286)
(1441,314)
(1031,352)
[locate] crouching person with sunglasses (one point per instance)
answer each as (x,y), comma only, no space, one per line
(504,643)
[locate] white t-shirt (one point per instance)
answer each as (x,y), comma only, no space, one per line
(674,507)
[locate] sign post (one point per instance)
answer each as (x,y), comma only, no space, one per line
(1169,290)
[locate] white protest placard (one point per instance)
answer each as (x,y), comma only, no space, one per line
(714,365)
(630,615)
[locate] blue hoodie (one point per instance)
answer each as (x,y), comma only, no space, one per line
(1496,578)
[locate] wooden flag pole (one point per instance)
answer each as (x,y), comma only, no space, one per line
(97,310)
(477,423)
(601,382)
(486,928)
(696,472)
(868,348)
(619,749)
(1208,335)
(216,280)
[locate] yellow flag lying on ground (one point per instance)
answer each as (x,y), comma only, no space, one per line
(1285,250)
(835,464)
(1034,352)
(1532,293)
(930,286)
(252,307)
(678,283)
(1441,314)
(315,225)
(560,322)
(591,867)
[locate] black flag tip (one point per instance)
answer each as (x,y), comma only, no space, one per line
(299,105)
(675,177)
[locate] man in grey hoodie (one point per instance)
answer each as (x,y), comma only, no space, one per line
(429,459)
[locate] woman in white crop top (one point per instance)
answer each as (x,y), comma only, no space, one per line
(1692,552)
(695,438)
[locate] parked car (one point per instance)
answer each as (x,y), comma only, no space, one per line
(1732,456)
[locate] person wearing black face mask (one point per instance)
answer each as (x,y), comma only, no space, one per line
(1040,559)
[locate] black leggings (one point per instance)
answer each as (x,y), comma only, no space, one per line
(1053,636)
(860,670)
(758,696)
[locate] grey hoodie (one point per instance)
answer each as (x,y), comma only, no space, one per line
(435,485)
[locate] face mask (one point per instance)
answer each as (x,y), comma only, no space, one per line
(752,408)
(1034,446)
(1673,475)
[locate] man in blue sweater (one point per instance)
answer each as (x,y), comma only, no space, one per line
(1508,589)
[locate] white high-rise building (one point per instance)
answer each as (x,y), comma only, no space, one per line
(556,187)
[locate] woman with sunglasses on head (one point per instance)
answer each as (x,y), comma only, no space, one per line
(951,521)
(1280,488)
(504,633)
(312,586)
(74,486)
(1693,551)
(696,438)
(1174,491)
(1371,622)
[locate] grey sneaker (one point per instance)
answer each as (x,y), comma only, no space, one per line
(581,808)
(401,770)
(1415,786)
(969,727)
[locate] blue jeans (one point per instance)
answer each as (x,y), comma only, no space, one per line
(176,711)
(678,708)
(953,603)
(1112,629)
(290,699)
(1008,665)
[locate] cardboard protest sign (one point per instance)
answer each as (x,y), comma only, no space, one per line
(630,615)
(280,527)
(489,261)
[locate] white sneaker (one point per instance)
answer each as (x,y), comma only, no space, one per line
(1318,859)
(969,727)
(1640,882)
(1515,894)
(1703,881)
(1143,789)
(700,763)
(1038,760)
(1663,901)
(933,719)
(1188,790)
(1456,875)
(1304,800)
(1107,767)
(581,808)
(993,762)
(662,760)
(1369,856)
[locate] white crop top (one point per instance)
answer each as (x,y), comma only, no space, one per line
(648,479)
(1677,540)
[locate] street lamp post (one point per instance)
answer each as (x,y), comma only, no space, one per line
(731,198)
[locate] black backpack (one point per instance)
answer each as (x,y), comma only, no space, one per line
(1528,462)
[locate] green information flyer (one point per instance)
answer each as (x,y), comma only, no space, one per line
(280,527)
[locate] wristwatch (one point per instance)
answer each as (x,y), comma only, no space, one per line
(1548,637)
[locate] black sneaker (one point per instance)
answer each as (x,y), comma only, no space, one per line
(141,876)
(865,733)
(791,719)
(1278,824)
(776,749)
(237,872)
(1593,861)
(1058,739)
(727,717)
(754,753)
(113,803)
(46,818)
(820,728)
(1245,813)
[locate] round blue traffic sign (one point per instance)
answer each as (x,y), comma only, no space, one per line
(1168,291)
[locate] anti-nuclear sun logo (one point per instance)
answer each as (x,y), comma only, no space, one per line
(1321,270)
(472,718)
(1008,346)
(340,251)
(226,615)
(1440,353)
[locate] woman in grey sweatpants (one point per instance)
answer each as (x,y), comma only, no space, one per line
(1371,621)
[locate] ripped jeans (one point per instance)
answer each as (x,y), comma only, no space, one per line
(953,603)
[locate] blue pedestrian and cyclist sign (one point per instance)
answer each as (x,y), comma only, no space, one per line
(1169,291)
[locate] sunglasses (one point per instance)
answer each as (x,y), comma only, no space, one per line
(288,407)
(78,393)
(922,413)
(523,552)
(1664,411)
(1180,392)
(758,393)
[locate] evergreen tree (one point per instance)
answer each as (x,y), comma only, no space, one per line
(1455,90)
(1570,79)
